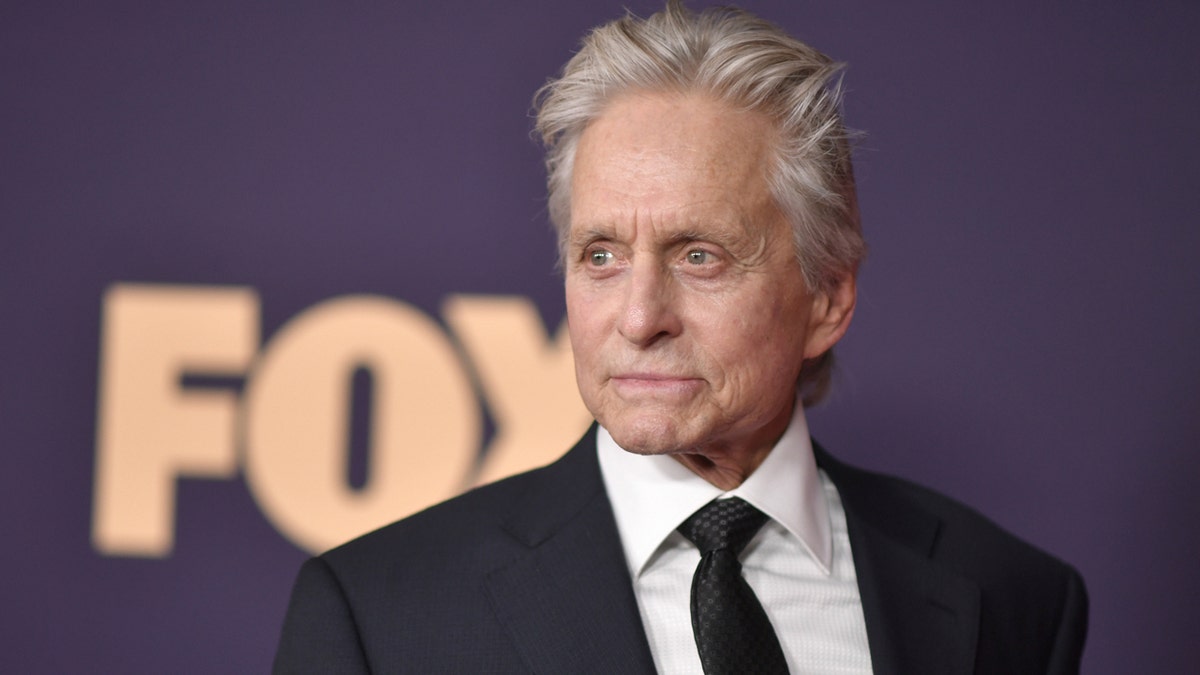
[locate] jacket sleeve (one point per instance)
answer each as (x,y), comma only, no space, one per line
(319,632)
(1067,651)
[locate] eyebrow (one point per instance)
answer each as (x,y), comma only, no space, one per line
(733,234)
(591,234)
(722,238)
(728,238)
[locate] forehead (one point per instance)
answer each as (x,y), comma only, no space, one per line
(659,153)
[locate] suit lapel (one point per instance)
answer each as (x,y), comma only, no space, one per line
(568,602)
(921,617)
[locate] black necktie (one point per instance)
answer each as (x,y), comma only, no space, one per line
(732,631)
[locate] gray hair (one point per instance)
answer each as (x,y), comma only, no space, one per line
(752,65)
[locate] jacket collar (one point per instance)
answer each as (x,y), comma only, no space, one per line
(568,603)
(921,617)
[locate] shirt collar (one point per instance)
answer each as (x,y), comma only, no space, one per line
(652,494)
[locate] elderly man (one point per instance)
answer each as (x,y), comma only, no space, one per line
(700,178)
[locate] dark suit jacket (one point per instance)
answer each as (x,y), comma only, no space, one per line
(527,575)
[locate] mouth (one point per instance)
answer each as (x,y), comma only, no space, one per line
(654,384)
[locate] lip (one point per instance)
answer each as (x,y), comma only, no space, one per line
(654,383)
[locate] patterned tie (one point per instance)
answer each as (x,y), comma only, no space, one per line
(732,631)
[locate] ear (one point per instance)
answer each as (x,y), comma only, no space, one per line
(832,310)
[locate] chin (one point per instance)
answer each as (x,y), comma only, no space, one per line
(651,435)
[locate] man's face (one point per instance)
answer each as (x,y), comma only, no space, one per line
(689,316)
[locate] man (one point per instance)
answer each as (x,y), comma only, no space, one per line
(700,179)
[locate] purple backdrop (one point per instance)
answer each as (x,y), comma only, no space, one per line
(1025,338)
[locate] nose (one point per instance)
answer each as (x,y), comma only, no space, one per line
(650,312)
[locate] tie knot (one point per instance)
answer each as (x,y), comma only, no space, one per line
(723,524)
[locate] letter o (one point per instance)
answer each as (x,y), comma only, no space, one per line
(425,432)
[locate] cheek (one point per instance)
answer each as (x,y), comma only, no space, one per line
(767,345)
(582,325)
(580,344)
(577,303)
(586,328)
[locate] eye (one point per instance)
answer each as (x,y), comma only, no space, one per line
(599,257)
(698,256)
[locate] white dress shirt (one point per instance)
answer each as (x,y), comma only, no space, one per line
(799,564)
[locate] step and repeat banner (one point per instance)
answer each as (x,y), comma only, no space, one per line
(273,275)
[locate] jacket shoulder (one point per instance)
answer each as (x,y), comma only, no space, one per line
(1030,600)
(398,588)
(474,532)
(963,536)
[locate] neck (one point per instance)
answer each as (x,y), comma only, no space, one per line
(723,471)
